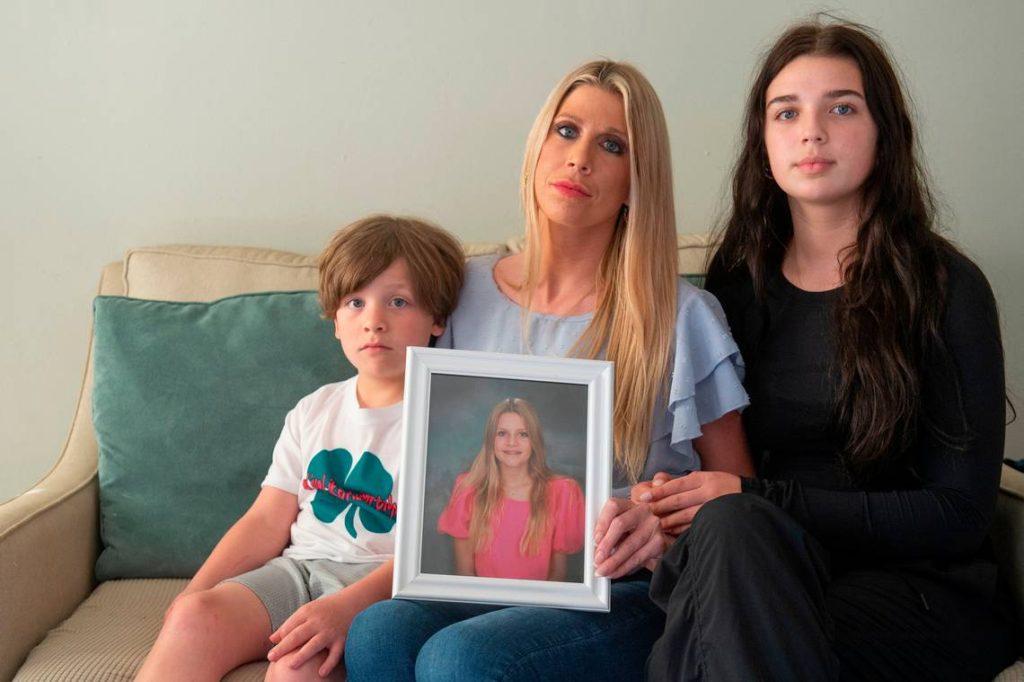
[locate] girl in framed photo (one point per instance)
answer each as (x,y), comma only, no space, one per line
(510,515)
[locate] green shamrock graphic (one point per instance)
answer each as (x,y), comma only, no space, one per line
(363,490)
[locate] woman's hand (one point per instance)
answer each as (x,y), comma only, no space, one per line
(320,625)
(628,536)
(677,500)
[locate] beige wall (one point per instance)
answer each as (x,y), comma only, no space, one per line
(130,123)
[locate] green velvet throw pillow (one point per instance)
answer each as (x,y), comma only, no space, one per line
(188,402)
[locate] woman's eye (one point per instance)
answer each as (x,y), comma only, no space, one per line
(786,115)
(500,433)
(565,130)
(399,302)
(523,435)
(613,146)
(843,109)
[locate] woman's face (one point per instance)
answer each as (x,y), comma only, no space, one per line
(818,131)
(582,176)
(512,441)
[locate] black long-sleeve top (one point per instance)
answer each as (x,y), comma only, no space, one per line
(940,504)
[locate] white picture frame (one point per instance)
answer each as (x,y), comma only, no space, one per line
(446,392)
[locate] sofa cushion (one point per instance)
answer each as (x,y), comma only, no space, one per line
(188,401)
(205,273)
(187,272)
(110,634)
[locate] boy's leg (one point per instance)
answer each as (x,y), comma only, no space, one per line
(207,634)
(281,670)
(322,577)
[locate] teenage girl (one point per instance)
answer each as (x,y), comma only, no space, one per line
(875,373)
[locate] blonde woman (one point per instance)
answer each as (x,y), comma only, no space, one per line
(597,279)
(510,516)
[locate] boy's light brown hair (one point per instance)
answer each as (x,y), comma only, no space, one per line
(359,252)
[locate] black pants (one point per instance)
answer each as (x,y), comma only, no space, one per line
(750,595)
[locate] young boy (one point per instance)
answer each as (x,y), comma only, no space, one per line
(315,548)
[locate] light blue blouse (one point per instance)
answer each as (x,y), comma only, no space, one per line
(707,369)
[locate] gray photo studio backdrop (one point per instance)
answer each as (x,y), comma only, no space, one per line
(459,407)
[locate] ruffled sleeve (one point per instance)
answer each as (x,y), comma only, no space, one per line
(707,374)
(454,520)
(568,515)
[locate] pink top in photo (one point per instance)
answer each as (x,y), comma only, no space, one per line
(503,558)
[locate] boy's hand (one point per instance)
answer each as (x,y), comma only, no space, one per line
(320,625)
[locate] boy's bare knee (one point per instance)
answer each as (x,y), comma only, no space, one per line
(281,670)
(194,617)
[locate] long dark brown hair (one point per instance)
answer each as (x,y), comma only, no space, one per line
(894,274)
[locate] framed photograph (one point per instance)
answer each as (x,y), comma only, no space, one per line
(507,463)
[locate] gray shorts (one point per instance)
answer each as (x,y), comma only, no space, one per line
(284,584)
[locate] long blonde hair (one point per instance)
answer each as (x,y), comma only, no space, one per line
(636,283)
(484,476)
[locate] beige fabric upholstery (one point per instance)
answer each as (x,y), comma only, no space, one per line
(693,252)
(94,643)
(206,273)
(1015,673)
(49,535)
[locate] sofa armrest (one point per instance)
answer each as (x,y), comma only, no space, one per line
(1011,483)
(49,535)
(49,540)
(1008,534)
(48,546)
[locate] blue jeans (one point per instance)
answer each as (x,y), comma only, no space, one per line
(413,640)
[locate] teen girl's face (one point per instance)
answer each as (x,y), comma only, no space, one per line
(512,441)
(819,133)
(582,176)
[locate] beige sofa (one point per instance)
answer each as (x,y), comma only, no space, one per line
(58,624)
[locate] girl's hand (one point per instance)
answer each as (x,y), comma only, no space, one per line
(637,492)
(320,625)
(677,500)
(627,536)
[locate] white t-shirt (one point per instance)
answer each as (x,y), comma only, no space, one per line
(342,462)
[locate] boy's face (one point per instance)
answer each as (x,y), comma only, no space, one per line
(377,323)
